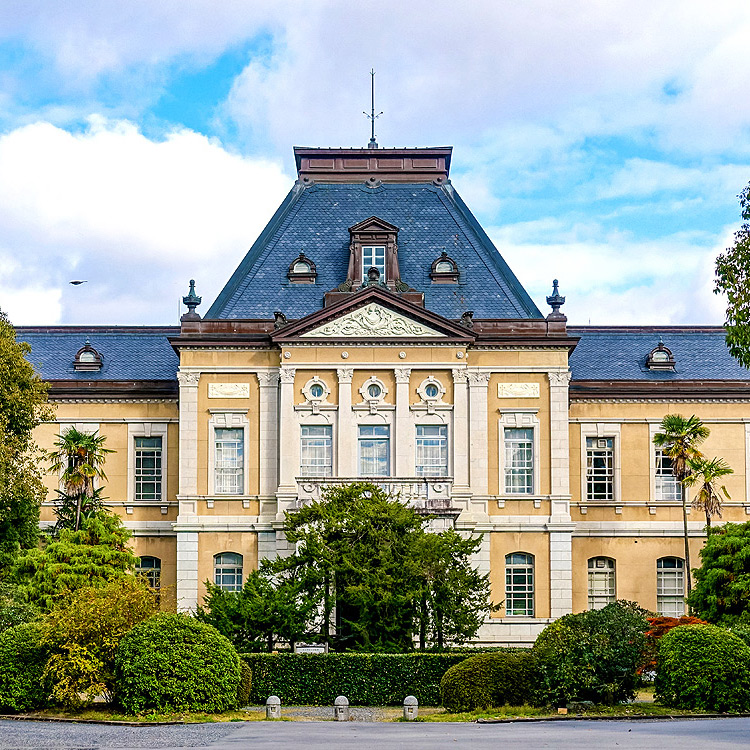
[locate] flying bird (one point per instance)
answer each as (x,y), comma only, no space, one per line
(77,282)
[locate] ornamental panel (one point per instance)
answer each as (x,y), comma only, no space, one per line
(370,321)
(229,390)
(518,390)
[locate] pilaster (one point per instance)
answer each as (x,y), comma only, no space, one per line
(404,438)
(346,446)
(478,459)
(268,406)
(286,492)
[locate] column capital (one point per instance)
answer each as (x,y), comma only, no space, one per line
(478,377)
(460,375)
(402,374)
(345,374)
(287,374)
(268,378)
(188,379)
(560,379)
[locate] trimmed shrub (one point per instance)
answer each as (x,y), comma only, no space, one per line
(488,680)
(175,663)
(658,628)
(365,679)
(741,631)
(246,684)
(703,667)
(591,656)
(23,657)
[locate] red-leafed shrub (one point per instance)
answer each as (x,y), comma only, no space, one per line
(658,627)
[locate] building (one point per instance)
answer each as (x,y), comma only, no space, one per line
(373,330)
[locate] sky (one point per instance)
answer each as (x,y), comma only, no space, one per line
(147,142)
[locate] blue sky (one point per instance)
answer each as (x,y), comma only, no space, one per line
(145,143)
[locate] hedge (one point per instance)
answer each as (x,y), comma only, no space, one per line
(22,661)
(703,667)
(488,680)
(172,662)
(365,679)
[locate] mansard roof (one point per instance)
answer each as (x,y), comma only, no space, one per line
(619,353)
(316,218)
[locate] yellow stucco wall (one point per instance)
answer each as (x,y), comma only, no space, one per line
(212,543)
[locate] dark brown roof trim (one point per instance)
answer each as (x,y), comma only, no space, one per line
(659,389)
(113,389)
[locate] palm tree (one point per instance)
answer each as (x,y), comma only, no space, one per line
(78,458)
(705,473)
(679,441)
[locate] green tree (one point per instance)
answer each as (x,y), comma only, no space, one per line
(722,582)
(733,279)
(79,457)
(92,556)
(23,406)
(679,440)
(705,475)
(272,607)
(82,635)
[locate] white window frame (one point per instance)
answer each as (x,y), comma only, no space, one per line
(231,419)
(359,450)
(600,597)
(519,419)
(446,464)
(366,267)
(229,566)
(655,427)
(528,566)
(148,430)
(602,430)
(661,599)
(330,465)
(151,573)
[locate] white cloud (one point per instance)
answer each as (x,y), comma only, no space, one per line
(134,217)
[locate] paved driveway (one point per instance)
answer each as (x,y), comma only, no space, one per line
(570,735)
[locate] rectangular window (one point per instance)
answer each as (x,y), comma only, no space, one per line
(374,451)
(229,462)
(519,460)
(601,582)
(670,587)
(148,468)
(373,256)
(667,486)
(600,469)
(519,585)
(432,450)
(316,451)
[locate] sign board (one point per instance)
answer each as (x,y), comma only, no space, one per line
(310,648)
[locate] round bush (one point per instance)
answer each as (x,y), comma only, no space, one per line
(591,656)
(703,667)
(175,663)
(22,660)
(486,680)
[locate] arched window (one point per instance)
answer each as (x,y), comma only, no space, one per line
(87,358)
(602,584)
(519,584)
(228,571)
(670,587)
(444,270)
(302,269)
(150,568)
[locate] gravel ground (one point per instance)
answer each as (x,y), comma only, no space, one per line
(58,735)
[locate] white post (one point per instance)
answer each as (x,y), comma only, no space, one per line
(404,439)
(346,445)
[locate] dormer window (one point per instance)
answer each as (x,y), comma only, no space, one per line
(444,270)
(373,244)
(373,256)
(87,359)
(660,358)
(302,270)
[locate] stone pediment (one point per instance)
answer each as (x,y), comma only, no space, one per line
(373,321)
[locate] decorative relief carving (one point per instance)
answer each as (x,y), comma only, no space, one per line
(478,377)
(268,378)
(460,376)
(188,378)
(402,374)
(287,374)
(372,321)
(559,378)
(345,374)
(229,390)
(518,390)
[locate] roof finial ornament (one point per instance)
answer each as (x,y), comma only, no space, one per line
(191,301)
(555,301)
(372,116)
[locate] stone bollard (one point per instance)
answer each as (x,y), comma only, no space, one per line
(273,707)
(411,708)
(341,708)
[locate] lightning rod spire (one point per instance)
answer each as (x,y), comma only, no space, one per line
(372,116)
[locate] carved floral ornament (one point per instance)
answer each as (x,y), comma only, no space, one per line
(373,321)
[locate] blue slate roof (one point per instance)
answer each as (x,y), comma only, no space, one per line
(619,353)
(317,218)
(128,353)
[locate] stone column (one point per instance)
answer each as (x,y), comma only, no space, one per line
(288,442)
(187,518)
(404,439)
(478,461)
(346,442)
(268,459)
(460,432)
(560,526)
